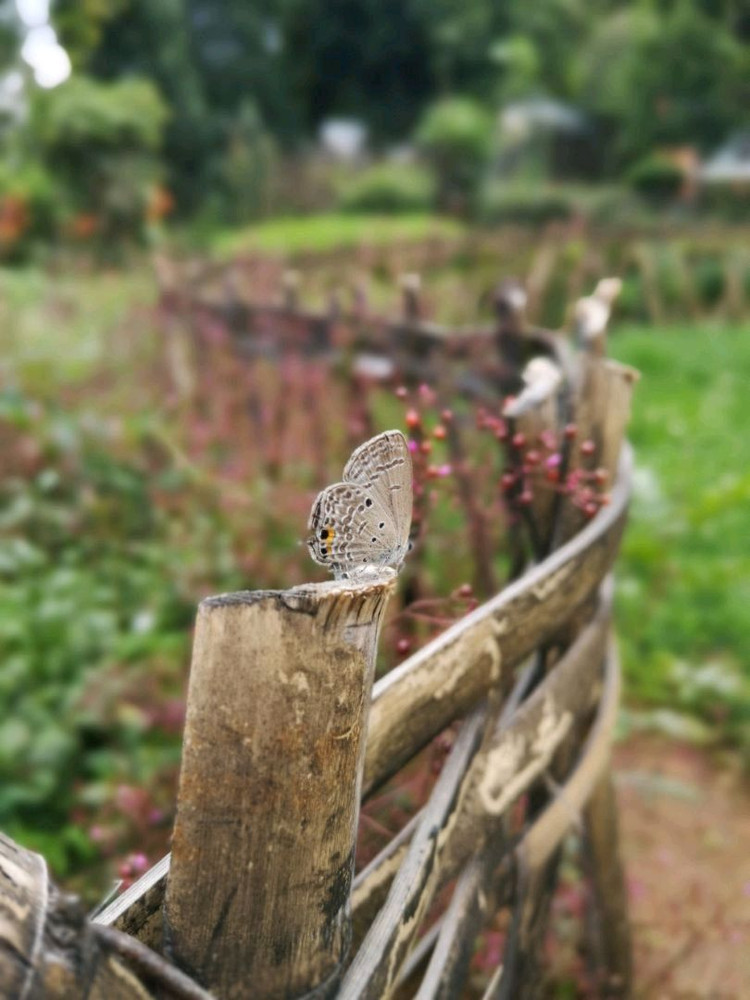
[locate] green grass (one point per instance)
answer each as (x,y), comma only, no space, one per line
(56,329)
(330,231)
(684,577)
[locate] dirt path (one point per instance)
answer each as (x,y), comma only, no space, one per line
(685,822)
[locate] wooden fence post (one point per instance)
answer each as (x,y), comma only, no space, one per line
(258,895)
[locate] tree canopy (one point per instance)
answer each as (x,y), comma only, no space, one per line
(646,72)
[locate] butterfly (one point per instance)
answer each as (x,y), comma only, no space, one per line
(364,520)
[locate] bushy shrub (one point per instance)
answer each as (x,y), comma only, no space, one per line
(455,135)
(657,178)
(29,201)
(729,202)
(249,167)
(101,141)
(390,188)
(710,280)
(528,205)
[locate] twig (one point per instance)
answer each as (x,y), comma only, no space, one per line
(148,964)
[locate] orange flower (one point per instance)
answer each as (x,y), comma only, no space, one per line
(14,219)
(160,204)
(83,226)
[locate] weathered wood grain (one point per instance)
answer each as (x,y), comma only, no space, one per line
(263,846)
(469,909)
(468,804)
(610,891)
(49,951)
(375,967)
(444,679)
(371,885)
(137,910)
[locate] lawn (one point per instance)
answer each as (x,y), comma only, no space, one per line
(684,579)
(329,231)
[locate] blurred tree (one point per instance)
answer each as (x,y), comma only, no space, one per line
(249,166)
(100,141)
(455,135)
(10,33)
(367,59)
(665,77)
(152,40)
(650,72)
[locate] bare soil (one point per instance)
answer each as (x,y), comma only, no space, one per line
(685,829)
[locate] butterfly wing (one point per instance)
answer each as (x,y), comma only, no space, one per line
(382,466)
(350,528)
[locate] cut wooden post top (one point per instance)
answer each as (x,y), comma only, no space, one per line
(258,892)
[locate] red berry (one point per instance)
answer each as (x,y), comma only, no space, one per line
(401,392)
(508,480)
(403,646)
(412,419)
(590,508)
(446,416)
(439,432)
(570,431)
(601,476)
(518,440)
(552,475)
(426,447)
(465,590)
(525,498)
(532,457)
(588,447)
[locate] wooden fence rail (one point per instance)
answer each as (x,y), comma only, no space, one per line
(286,735)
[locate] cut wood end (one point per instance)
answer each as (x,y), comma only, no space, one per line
(627,372)
(371,583)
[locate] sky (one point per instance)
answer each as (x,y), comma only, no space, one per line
(41,50)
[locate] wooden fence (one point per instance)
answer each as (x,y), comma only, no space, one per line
(286,735)
(672,274)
